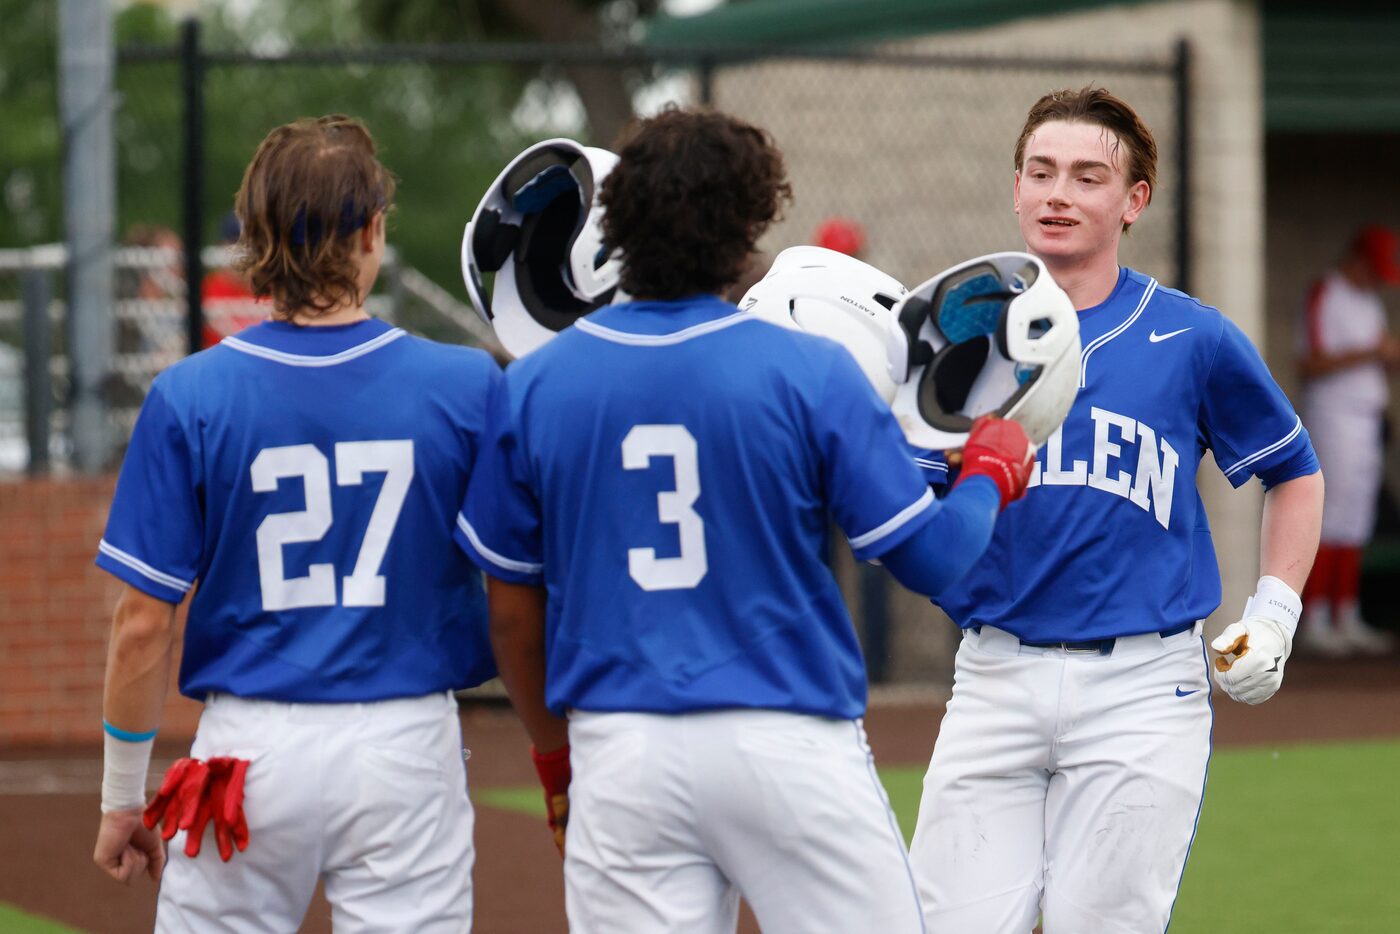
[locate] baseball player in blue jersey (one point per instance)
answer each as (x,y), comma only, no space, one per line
(1070,766)
(301,478)
(651,513)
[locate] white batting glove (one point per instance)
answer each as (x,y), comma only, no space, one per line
(1254,650)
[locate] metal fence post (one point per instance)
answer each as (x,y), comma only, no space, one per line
(192,85)
(1181,72)
(36,291)
(86,68)
(707,81)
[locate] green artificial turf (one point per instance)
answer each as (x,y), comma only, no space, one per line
(14,921)
(1292,840)
(1297,839)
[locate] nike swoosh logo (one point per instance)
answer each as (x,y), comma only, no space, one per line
(1156,338)
(1181,693)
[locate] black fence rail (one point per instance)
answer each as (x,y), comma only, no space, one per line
(914,146)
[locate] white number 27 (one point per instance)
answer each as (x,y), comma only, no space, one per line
(353,459)
(687,569)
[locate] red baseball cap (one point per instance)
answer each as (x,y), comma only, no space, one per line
(841,235)
(1379,246)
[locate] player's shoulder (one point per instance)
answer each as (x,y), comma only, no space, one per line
(1172,312)
(439,357)
(183,377)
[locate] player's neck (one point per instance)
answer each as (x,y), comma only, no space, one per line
(343,313)
(1087,282)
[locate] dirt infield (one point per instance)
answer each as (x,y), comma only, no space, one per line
(49,820)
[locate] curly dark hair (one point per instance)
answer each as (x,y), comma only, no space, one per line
(311,185)
(691,194)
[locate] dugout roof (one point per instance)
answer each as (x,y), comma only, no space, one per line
(1328,67)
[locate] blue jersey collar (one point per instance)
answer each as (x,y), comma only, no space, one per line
(315,345)
(1085,313)
(662,317)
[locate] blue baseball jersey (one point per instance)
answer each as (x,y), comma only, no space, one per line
(1112,539)
(934,466)
(308,479)
(668,471)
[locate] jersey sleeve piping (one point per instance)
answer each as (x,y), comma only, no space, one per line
(142,568)
(1264,452)
(496,558)
(894,523)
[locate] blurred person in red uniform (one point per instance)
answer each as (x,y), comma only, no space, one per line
(1345,354)
(842,235)
(229,302)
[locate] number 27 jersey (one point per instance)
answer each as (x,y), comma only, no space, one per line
(307,478)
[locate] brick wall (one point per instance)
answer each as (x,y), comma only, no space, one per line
(55,614)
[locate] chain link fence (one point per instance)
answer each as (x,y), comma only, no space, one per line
(914,147)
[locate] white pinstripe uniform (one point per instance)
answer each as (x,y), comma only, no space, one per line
(1343,409)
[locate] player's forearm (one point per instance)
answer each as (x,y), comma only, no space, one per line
(1291,528)
(138,662)
(1320,364)
(517,638)
(945,548)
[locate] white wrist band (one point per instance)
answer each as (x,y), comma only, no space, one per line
(1275,600)
(124,768)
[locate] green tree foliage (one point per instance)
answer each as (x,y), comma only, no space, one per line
(29,134)
(446,131)
(605,92)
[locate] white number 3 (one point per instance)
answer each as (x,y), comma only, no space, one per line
(687,569)
(353,459)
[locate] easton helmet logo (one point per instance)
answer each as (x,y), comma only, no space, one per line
(863,307)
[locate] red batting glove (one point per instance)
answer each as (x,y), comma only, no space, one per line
(159,807)
(177,802)
(555,775)
(193,794)
(194,820)
(998,448)
(226,799)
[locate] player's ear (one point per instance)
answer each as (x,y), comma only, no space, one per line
(371,232)
(1016,193)
(1139,193)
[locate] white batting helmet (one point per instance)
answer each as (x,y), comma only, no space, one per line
(539,229)
(993,334)
(824,292)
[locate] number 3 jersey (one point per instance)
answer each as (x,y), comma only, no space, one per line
(307,478)
(668,471)
(1112,538)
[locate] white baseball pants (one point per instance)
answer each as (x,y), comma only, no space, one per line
(1348,446)
(671,818)
(371,798)
(1064,783)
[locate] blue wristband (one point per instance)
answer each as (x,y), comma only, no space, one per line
(126,736)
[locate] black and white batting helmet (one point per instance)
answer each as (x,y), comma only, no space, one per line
(539,229)
(994,334)
(821,291)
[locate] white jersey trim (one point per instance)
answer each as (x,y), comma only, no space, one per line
(936,466)
(500,560)
(296,359)
(142,568)
(663,340)
(1265,452)
(1102,339)
(885,529)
